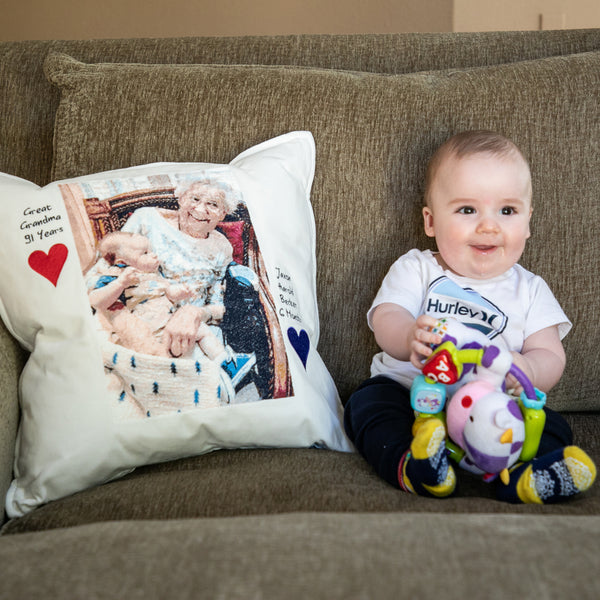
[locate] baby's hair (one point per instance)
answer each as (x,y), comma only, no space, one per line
(109,244)
(467,143)
(229,199)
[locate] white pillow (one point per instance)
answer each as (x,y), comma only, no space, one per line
(96,405)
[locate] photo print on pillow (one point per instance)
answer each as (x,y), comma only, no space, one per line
(170,310)
(179,291)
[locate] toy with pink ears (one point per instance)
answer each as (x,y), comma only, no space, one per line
(488,429)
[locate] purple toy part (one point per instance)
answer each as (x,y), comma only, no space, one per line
(487,463)
(449,338)
(468,367)
(515,410)
(489,355)
(524,381)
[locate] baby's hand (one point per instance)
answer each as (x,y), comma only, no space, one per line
(512,384)
(421,338)
(129,276)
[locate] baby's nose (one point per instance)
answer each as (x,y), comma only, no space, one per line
(487,224)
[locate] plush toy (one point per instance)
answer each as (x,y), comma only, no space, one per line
(489,430)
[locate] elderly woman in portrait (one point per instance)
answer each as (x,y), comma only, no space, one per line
(193,253)
(190,254)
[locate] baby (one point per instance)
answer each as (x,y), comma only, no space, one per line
(478,207)
(128,291)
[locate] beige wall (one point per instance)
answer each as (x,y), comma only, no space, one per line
(81,19)
(490,15)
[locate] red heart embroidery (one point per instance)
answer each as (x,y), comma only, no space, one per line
(49,265)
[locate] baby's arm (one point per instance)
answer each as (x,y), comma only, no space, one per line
(210,312)
(402,336)
(542,358)
(103,297)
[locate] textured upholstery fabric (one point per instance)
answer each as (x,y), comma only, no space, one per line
(298,556)
(309,523)
(28,102)
(12,358)
(373,134)
(255,482)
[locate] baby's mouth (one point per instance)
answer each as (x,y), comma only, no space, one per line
(484,249)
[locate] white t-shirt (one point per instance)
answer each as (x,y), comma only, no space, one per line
(507,309)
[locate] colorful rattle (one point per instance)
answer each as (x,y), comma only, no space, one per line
(489,430)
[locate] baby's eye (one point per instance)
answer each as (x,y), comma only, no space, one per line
(508,210)
(466,210)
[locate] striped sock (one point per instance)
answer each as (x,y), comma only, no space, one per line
(425,469)
(551,478)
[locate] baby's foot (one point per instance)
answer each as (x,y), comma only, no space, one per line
(551,478)
(425,469)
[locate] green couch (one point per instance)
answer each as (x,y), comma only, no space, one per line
(313,523)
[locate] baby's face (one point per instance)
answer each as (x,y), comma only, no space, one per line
(479,212)
(135,252)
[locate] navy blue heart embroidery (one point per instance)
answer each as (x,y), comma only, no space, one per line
(300,343)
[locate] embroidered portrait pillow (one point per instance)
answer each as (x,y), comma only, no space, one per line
(170,310)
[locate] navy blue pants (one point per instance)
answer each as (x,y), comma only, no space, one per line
(378,418)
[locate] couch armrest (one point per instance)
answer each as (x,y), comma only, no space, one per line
(12,359)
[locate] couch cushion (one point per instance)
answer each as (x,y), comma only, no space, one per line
(254,482)
(28,102)
(321,556)
(374,134)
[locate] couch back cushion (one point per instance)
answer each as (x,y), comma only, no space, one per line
(374,134)
(28,102)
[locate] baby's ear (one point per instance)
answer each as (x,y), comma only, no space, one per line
(529,223)
(428,221)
